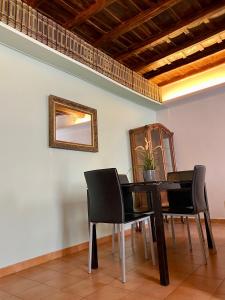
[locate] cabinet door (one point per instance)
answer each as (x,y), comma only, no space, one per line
(158,153)
(167,145)
(137,139)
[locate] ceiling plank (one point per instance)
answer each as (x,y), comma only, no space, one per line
(205,66)
(175,50)
(207,12)
(67,6)
(188,60)
(135,21)
(93,9)
(36,3)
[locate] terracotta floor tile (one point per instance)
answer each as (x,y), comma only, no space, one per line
(84,288)
(67,278)
(37,292)
(101,277)
(202,283)
(62,296)
(15,285)
(79,272)
(221,288)
(211,271)
(109,293)
(62,281)
(188,293)
(5,296)
(41,275)
(60,266)
(137,296)
(133,282)
(216,296)
(155,290)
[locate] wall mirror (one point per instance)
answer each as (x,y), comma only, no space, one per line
(72,126)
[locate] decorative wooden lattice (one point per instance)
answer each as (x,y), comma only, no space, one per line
(24,18)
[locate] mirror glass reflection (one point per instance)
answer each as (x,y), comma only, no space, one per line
(73,126)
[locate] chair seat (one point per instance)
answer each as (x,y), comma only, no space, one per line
(129,217)
(179,210)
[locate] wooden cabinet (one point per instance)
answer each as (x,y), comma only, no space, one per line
(159,135)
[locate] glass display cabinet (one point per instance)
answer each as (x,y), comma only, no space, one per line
(163,151)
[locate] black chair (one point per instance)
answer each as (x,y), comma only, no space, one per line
(180,198)
(129,208)
(106,205)
(129,201)
(190,200)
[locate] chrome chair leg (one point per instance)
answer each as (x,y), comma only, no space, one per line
(201,227)
(145,239)
(90,246)
(123,267)
(132,236)
(173,232)
(151,242)
(119,240)
(201,238)
(113,238)
(189,234)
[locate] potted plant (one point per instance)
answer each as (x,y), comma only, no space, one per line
(146,154)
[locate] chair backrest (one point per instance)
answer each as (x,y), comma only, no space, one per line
(195,196)
(128,197)
(105,200)
(198,189)
(123,178)
(178,199)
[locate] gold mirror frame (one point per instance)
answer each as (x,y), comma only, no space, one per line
(62,106)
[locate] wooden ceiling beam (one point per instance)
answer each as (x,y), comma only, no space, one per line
(67,6)
(135,21)
(175,50)
(93,9)
(207,12)
(205,66)
(189,60)
(36,3)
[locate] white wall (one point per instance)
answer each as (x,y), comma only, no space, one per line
(42,190)
(198,123)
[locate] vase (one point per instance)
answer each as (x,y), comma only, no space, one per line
(149,175)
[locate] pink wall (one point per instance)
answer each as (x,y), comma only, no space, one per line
(198,123)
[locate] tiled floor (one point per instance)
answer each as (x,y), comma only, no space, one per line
(67,278)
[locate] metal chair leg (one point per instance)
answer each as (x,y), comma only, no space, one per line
(90,246)
(132,236)
(189,234)
(113,238)
(119,240)
(201,227)
(123,254)
(173,232)
(151,242)
(201,238)
(145,239)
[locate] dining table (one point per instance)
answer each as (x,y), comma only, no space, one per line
(154,189)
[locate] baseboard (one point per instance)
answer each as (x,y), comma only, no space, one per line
(218,221)
(33,262)
(213,221)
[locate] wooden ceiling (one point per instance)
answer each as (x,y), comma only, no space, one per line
(164,40)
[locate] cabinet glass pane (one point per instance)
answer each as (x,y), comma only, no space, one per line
(159,164)
(167,152)
(139,140)
(155,136)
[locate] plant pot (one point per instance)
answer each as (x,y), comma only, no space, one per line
(149,175)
